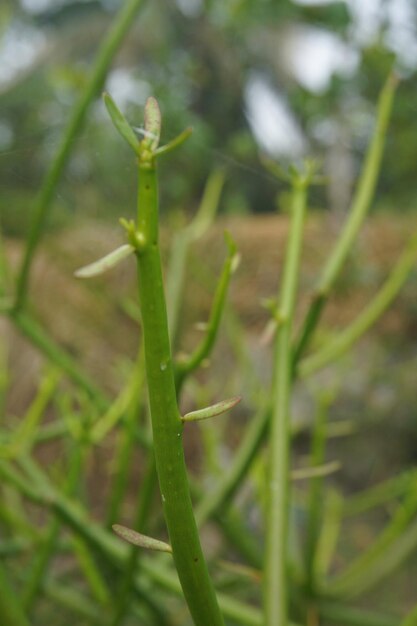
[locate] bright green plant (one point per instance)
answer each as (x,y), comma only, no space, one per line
(292,586)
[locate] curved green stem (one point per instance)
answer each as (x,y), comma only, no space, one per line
(360,206)
(11,612)
(347,337)
(390,548)
(43,201)
(203,350)
(39,338)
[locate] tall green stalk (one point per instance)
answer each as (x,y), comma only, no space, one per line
(167,424)
(359,209)
(166,420)
(276,579)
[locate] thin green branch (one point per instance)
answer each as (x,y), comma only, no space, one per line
(380,494)
(46,549)
(350,616)
(360,206)
(315,496)
(181,245)
(391,548)
(184,368)
(106,53)
(226,488)
(347,337)
(276,545)
(11,612)
(75,517)
(39,338)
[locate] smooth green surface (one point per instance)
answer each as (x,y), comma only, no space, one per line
(276,544)
(167,426)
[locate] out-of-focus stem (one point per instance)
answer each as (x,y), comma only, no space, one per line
(360,206)
(276,546)
(106,53)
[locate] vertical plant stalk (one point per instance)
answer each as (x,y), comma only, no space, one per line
(360,206)
(11,612)
(276,585)
(345,338)
(315,496)
(166,421)
(43,201)
(250,446)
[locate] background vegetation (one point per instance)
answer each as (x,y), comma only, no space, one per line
(287,80)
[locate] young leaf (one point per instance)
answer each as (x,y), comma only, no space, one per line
(152,123)
(177,141)
(120,123)
(106,262)
(211,411)
(305,473)
(142,541)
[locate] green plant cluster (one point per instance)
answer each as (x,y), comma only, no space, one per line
(288,578)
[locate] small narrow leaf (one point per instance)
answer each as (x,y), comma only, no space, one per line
(177,141)
(142,541)
(120,123)
(152,123)
(319,471)
(106,262)
(211,411)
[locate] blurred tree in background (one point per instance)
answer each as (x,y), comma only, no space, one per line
(286,78)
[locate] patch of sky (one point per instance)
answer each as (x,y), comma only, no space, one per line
(36,7)
(393,20)
(20,46)
(313,55)
(272,122)
(190,8)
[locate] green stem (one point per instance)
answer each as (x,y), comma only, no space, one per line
(11,613)
(166,421)
(350,616)
(181,245)
(46,551)
(35,333)
(107,51)
(360,206)
(204,349)
(318,449)
(126,444)
(75,517)
(276,585)
(391,547)
(227,487)
(380,494)
(347,337)
(411,618)
(141,521)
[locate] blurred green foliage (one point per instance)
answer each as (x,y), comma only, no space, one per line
(197,58)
